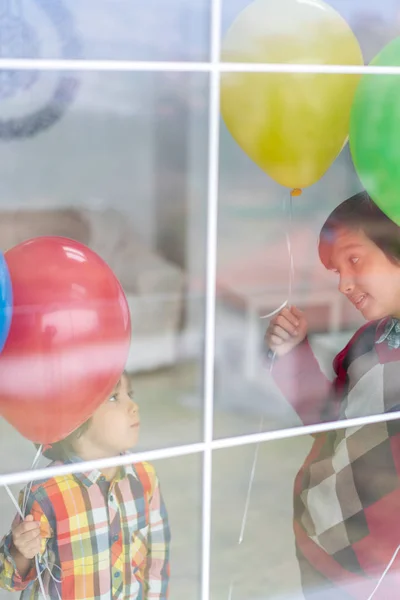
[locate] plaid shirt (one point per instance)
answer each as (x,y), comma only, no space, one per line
(347,494)
(100,543)
(391,334)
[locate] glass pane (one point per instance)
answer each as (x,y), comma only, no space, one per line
(264,564)
(124,171)
(253,281)
(256,215)
(345,280)
(373,23)
(90,29)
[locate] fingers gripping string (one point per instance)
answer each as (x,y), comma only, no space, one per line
(288,212)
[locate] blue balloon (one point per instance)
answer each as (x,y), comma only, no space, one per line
(6,303)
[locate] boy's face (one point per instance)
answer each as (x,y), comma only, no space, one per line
(114,427)
(366,276)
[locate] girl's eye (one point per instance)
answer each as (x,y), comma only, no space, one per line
(112,399)
(354,260)
(131,395)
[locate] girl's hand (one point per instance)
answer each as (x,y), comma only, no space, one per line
(286,331)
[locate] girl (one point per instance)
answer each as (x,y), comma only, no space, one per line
(347,494)
(97,535)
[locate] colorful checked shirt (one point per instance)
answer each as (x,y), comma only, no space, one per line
(101,542)
(347,494)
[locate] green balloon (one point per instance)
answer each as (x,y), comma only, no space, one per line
(375,133)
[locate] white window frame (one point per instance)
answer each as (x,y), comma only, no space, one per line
(214,68)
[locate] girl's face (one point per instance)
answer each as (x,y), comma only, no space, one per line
(366,275)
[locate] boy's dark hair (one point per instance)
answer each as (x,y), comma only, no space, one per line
(360,212)
(64,449)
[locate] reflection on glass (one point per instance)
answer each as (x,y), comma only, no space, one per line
(87,29)
(344,287)
(124,172)
(264,565)
(351,473)
(374,23)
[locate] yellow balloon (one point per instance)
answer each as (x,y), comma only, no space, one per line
(292,125)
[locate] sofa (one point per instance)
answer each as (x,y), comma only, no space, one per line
(154,287)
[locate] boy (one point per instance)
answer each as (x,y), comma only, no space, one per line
(347,494)
(97,535)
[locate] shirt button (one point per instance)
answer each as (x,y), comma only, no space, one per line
(117,574)
(115,538)
(111,498)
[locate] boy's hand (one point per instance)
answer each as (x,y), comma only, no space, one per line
(26,538)
(286,331)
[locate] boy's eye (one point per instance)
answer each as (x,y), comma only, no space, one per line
(131,395)
(354,260)
(112,399)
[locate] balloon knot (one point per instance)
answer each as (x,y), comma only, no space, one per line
(296,192)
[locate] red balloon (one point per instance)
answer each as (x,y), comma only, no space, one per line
(69,338)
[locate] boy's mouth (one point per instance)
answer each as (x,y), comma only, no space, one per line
(359,301)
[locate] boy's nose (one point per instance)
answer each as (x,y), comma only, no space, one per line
(133,407)
(346,285)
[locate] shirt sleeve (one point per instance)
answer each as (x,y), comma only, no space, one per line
(10,578)
(159,538)
(301,381)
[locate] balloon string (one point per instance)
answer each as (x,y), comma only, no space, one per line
(288,210)
(21,512)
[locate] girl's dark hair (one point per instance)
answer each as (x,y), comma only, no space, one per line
(360,212)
